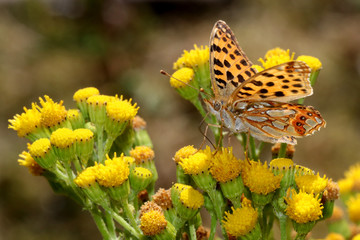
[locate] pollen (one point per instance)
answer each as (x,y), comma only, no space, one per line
(52,113)
(28,161)
(311,183)
(152,223)
(193,58)
(142,154)
(259,178)
(121,110)
(195,164)
(225,166)
(184,152)
(87,177)
(182,77)
(353,205)
(241,221)
(83,94)
(303,207)
(40,147)
(62,138)
(313,62)
(191,198)
(27,122)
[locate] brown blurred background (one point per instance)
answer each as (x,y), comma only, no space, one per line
(55,47)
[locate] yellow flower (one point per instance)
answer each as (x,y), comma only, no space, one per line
(52,114)
(311,183)
(87,177)
(258,67)
(354,208)
(152,223)
(275,57)
(115,172)
(195,164)
(191,198)
(142,154)
(62,138)
(83,94)
(241,221)
(193,58)
(40,147)
(303,207)
(353,172)
(27,122)
(96,105)
(29,162)
(185,75)
(184,153)
(259,178)
(224,166)
(313,62)
(149,206)
(335,236)
(346,185)
(356,237)
(121,110)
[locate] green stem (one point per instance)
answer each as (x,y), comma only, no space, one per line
(77,165)
(178,222)
(252,148)
(212,226)
(125,225)
(283,227)
(110,224)
(129,214)
(100,223)
(192,231)
(100,144)
(109,142)
(282,150)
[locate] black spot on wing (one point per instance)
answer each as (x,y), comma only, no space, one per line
(248,73)
(224,49)
(226,63)
(257,83)
(279,94)
(270,84)
(220,82)
(235,83)
(229,75)
(243,62)
(240,78)
(218,72)
(218,62)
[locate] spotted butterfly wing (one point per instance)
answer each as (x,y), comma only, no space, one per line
(281,122)
(283,83)
(229,65)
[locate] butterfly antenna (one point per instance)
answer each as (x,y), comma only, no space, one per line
(200,90)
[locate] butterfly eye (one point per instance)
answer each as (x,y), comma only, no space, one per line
(217,106)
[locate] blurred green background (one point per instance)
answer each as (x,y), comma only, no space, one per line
(55,47)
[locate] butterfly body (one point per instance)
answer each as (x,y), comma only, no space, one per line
(257,102)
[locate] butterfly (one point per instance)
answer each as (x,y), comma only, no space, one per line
(258,102)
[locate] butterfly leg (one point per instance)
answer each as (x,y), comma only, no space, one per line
(205,132)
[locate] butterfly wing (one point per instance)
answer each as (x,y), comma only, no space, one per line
(229,65)
(282,83)
(281,122)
